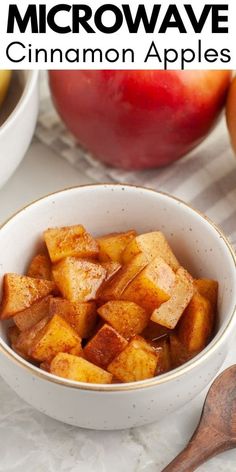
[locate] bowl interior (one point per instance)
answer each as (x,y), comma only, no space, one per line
(108,208)
(16,89)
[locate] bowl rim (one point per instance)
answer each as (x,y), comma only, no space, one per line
(28,89)
(174,374)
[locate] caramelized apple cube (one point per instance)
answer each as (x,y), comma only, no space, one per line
(152,286)
(196,324)
(40,267)
(70,241)
(112,245)
(138,361)
(81,316)
(30,316)
(104,346)
(20,292)
(78,279)
(111,268)
(153,245)
(86,317)
(169,313)
(78,369)
(127,318)
(209,290)
(64,308)
(77,350)
(26,338)
(56,336)
(114,288)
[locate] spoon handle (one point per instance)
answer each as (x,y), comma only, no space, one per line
(205,443)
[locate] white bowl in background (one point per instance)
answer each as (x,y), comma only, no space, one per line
(199,246)
(18,117)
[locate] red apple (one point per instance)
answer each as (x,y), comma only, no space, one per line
(139,119)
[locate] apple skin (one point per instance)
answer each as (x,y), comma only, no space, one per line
(139,119)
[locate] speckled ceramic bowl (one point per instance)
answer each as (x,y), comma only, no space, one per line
(198,244)
(18,117)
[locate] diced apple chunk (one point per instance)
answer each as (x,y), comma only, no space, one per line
(27,318)
(77,350)
(68,241)
(81,316)
(112,245)
(78,279)
(64,308)
(114,288)
(196,324)
(126,317)
(152,286)
(86,317)
(169,313)
(20,292)
(26,338)
(78,369)
(56,336)
(208,289)
(153,245)
(40,267)
(111,268)
(138,361)
(104,346)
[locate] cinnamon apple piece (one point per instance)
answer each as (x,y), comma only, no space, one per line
(81,316)
(56,336)
(196,324)
(20,292)
(111,246)
(30,316)
(138,361)
(78,369)
(114,288)
(104,346)
(68,241)
(153,245)
(126,317)
(152,287)
(169,313)
(40,267)
(78,279)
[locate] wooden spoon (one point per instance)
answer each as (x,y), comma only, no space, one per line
(216,431)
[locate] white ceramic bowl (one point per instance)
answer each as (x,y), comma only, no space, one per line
(17,121)
(198,244)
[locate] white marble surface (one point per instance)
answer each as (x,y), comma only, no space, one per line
(31,442)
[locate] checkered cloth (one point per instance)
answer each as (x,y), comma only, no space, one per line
(206,178)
